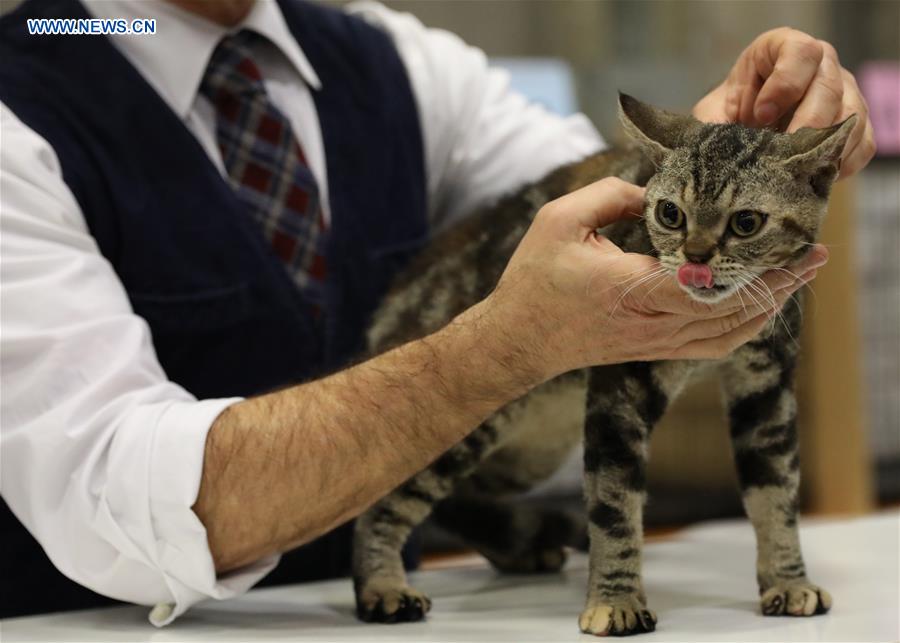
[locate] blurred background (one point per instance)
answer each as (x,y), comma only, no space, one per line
(575,55)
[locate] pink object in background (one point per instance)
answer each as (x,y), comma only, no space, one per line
(879,81)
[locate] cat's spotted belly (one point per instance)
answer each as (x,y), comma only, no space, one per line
(536,434)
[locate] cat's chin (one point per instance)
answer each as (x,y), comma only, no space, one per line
(709,295)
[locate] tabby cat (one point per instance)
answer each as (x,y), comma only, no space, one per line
(724,203)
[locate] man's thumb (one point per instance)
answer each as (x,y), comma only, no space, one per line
(604,202)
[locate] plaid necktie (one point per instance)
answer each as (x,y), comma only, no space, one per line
(265,164)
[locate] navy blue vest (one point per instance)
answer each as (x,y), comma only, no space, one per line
(225,316)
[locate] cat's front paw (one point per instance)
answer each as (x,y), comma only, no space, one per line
(620,616)
(795,598)
(391,605)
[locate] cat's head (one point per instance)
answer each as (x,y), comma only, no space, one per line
(729,202)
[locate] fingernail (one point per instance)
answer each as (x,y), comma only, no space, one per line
(766,113)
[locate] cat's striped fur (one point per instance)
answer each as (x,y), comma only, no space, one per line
(709,169)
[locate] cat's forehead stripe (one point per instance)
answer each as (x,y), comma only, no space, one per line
(719,153)
(705,135)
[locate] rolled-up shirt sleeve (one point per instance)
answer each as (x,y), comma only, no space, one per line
(102,455)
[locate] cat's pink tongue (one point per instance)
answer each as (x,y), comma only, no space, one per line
(697,275)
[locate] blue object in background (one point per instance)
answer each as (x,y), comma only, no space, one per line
(547,81)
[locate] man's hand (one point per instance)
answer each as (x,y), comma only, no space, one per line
(570,298)
(787,74)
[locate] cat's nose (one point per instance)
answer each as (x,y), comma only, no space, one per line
(699,249)
(698,257)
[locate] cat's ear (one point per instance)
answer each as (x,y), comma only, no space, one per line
(657,131)
(810,151)
(814,155)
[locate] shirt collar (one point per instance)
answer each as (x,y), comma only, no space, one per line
(174,59)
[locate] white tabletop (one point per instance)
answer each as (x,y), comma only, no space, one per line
(700,582)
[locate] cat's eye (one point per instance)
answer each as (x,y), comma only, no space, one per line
(669,215)
(746,222)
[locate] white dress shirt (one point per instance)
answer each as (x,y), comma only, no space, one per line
(101,453)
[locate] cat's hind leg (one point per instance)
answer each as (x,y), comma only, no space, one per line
(379,580)
(762,411)
(515,537)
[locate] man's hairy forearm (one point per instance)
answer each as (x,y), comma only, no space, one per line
(286,467)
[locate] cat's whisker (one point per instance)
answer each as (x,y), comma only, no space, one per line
(777,268)
(787,328)
(760,286)
(596,271)
(757,303)
(765,290)
(800,311)
(771,310)
(740,282)
(746,283)
(827,245)
(795,276)
(635,274)
(796,302)
(655,286)
(629,277)
(740,298)
(757,285)
(641,280)
(778,314)
(637,281)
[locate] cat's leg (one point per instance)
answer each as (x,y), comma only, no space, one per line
(624,403)
(379,580)
(762,412)
(515,537)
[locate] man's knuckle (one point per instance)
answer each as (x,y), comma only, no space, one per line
(699,307)
(732,322)
(788,83)
(833,87)
(869,148)
(818,118)
(550,210)
(784,32)
(611,181)
(862,110)
(828,50)
(849,79)
(808,48)
(721,326)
